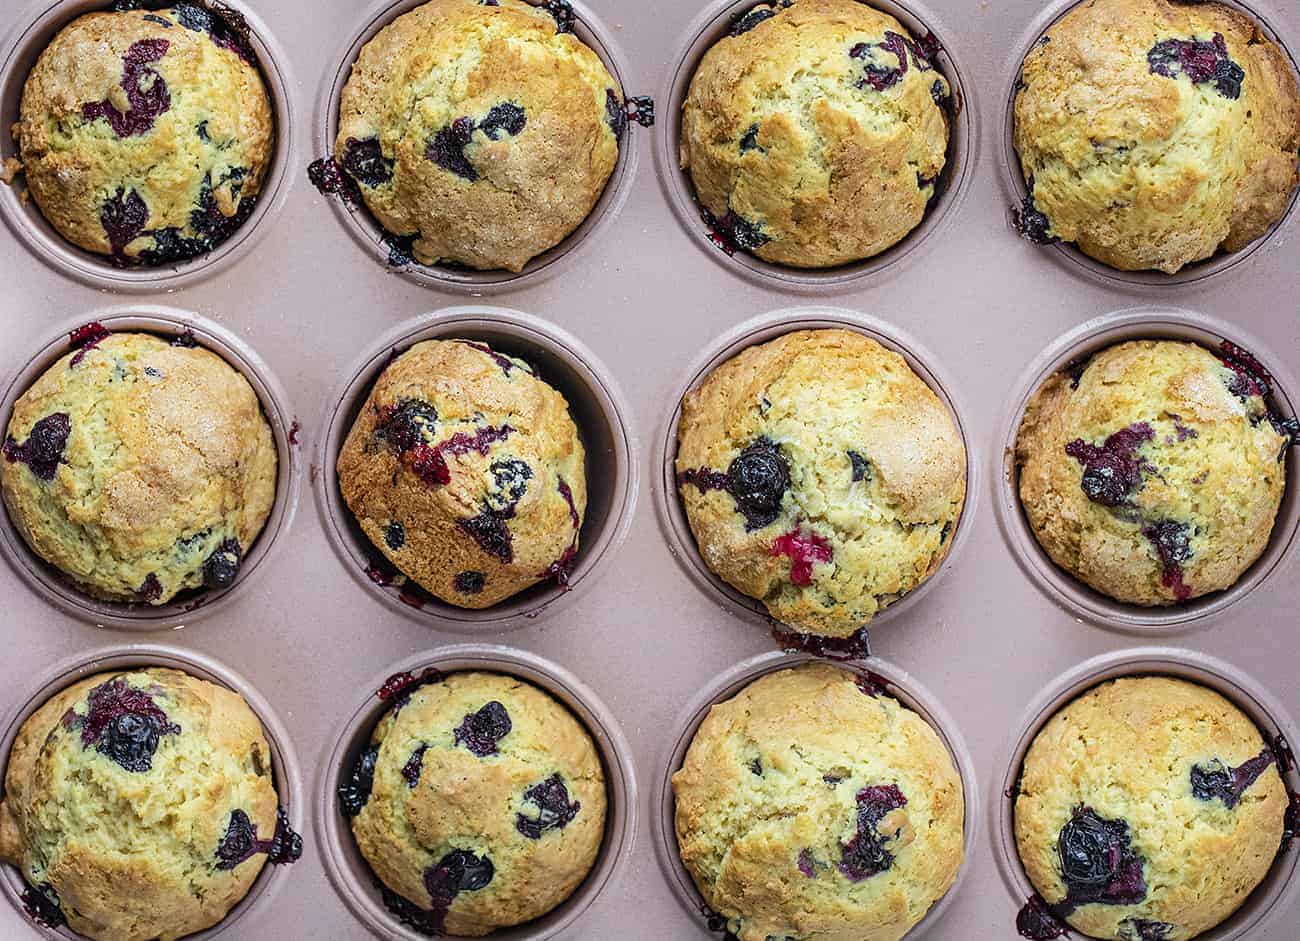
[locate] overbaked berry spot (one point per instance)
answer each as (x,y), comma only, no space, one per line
(395,535)
(42,904)
(222,566)
(1172,541)
(414,765)
(1113,470)
(1216,780)
(123,217)
(1036,922)
(470,583)
(1031,222)
(122,723)
(365,162)
(42,452)
(757,480)
(86,337)
(480,731)
(146,91)
(866,854)
(1098,864)
(804,549)
(1200,61)
(554,809)
(354,791)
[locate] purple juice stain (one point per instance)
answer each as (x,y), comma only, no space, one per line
(865,855)
(146,91)
(857,646)
(42,452)
(86,337)
(1098,863)
(807,863)
(1036,921)
(804,551)
(354,790)
(882,77)
(123,217)
(122,723)
(1172,541)
(504,362)
(399,687)
(240,842)
(414,765)
(1112,470)
(42,904)
(562,568)
(429,462)
(554,809)
(1215,780)
(702,479)
(1200,61)
(757,480)
(732,232)
(480,731)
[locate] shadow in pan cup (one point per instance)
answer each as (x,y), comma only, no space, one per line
(963,144)
(1066,252)
(596,405)
(189,606)
(1063,588)
(348,870)
(896,682)
(284,764)
(19,54)
(761,329)
(1274,894)
(375,241)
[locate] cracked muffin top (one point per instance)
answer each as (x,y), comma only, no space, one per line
(146,135)
(140,805)
(812,805)
(815,131)
(1153,472)
(483,132)
(466,471)
(1148,809)
(139,467)
(1153,134)
(479,803)
(821,476)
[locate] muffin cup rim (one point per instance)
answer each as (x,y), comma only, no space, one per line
(1068,255)
(622,800)
(358,221)
(468,320)
(704,31)
(290,792)
(764,328)
(1237,686)
(1161,322)
(159,320)
(28,223)
(905,688)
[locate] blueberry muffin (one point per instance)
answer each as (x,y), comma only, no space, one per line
(139,467)
(146,135)
(1153,134)
(483,133)
(140,805)
(480,803)
(1153,471)
(812,805)
(821,476)
(815,132)
(1148,809)
(466,471)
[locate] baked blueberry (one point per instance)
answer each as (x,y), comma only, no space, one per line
(482,730)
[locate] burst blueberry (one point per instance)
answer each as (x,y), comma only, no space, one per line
(42,452)
(757,480)
(354,791)
(554,809)
(481,731)
(867,854)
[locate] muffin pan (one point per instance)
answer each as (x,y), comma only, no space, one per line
(624,324)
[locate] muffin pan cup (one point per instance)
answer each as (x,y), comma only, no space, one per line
(348,870)
(711,25)
(897,683)
(358,221)
(1269,901)
(55,587)
(598,410)
(284,768)
(1158,323)
(761,329)
(1067,254)
(30,35)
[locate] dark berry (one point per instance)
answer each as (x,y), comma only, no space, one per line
(42,904)
(615,115)
(222,566)
(422,920)
(42,452)
(286,843)
(123,217)
(354,791)
(185,340)
(1113,470)
(1216,780)
(756,768)
(490,532)
(807,863)
(1036,922)
(1031,223)
(201,129)
(480,731)
(857,646)
(86,337)
(193,17)
(122,723)
(395,535)
(562,13)
(401,249)
(507,118)
(749,140)
(554,810)
(1200,61)
(641,109)
(1142,929)
(511,479)
(330,179)
(410,423)
(1172,541)
(365,162)
(146,91)
(470,583)
(744,22)
(939,92)
(757,480)
(703,479)
(150,589)
(870,684)
(447,149)
(860,466)
(865,855)
(414,765)
(505,362)
(1098,863)
(804,550)
(1249,378)
(458,871)
(240,841)
(882,77)
(732,232)
(160,20)
(399,687)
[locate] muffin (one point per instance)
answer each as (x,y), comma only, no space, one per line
(466,471)
(811,805)
(481,133)
(821,476)
(480,803)
(1153,471)
(139,468)
(1148,808)
(145,135)
(815,132)
(1153,134)
(140,805)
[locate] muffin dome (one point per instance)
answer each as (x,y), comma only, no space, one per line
(485,133)
(480,803)
(811,805)
(466,471)
(140,805)
(145,135)
(814,132)
(1153,472)
(1149,807)
(139,468)
(1153,134)
(821,476)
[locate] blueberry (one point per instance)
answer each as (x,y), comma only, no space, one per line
(410,423)
(1036,921)
(447,149)
(756,768)
(286,843)
(882,77)
(490,532)
(757,480)
(330,179)
(86,337)
(939,93)
(1098,863)
(146,92)
(511,478)
(193,17)
(1200,61)
(354,791)
(807,863)
(1142,929)
(749,140)
(744,22)
(238,843)
(480,731)
(470,583)
(123,217)
(395,535)
(365,162)
(458,871)
(42,904)
(562,12)
(1030,221)
(865,855)
(414,765)
(860,466)
(615,113)
(1112,470)
(742,233)
(222,566)
(150,589)
(857,646)
(1216,780)
(554,810)
(124,724)
(42,452)
(506,117)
